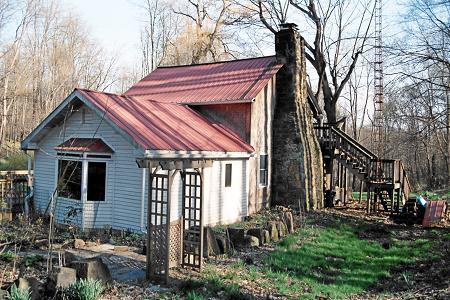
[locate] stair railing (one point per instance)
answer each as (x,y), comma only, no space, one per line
(403,179)
(334,138)
(378,170)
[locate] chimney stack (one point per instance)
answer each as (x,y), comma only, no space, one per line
(297,160)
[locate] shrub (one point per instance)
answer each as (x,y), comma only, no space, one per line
(16,161)
(194,296)
(18,294)
(7,255)
(86,289)
(33,260)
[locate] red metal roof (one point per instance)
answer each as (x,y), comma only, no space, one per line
(165,126)
(84,145)
(223,82)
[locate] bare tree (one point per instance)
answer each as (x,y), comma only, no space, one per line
(204,35)
(10,57)
(336,34)
(160,27)
(423,60)
(49,55)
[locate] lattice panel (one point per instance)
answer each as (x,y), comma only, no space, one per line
(175,243)
(192,216)
(159,249)
(158,216)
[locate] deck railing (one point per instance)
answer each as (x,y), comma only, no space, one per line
(379,171)
(334,138)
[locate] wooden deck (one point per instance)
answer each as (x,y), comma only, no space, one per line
(385,180)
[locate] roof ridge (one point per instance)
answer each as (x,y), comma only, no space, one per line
(212,63)
(99,92)
(131,97)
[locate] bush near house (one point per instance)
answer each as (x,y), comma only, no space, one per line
(14,161)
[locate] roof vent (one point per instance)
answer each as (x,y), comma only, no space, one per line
(287,26)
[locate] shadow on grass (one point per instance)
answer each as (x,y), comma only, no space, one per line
(332,256)
(337,263)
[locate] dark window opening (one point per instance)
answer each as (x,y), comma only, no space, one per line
(70,155)
(263,169)
(69,179)
(96,181)
(98,156)
(228,175)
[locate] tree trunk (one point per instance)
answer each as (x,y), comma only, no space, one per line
(448,137)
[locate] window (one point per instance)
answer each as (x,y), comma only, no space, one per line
(263,169)
(69,179)
(228,175)
(96,181)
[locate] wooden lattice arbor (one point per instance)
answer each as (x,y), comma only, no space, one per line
(171,243)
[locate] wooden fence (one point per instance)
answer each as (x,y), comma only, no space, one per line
(13,190)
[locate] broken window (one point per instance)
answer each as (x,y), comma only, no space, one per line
(96,181)
(228,175)
(69,179)
(263,169)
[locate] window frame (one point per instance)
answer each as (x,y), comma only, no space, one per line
(87,180)
(84,158)
(70,159)
(264,170)
(228,174)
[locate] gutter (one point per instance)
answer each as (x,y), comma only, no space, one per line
(194,155)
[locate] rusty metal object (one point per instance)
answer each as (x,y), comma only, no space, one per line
(434,212)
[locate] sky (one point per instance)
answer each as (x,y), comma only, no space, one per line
(116,24)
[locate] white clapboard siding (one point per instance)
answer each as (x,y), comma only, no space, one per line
(222,205)
(225,205)
(124,187)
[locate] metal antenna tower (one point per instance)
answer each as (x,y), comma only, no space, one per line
(378,122)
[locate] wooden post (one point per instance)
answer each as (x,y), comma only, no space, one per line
(361,189)
(169,190)
(149,223)
(345,186)
(200,172)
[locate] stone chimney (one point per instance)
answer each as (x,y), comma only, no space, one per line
(297,161)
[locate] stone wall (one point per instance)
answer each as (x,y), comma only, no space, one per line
(297,160)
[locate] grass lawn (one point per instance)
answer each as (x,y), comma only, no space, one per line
(356,196)
(330,261)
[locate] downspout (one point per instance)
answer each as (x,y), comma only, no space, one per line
(143,229)
(30,185)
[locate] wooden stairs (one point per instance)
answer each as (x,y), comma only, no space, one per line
(386,181)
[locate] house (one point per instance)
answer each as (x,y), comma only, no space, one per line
(103,152)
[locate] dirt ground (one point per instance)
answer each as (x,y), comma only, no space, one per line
(428,279)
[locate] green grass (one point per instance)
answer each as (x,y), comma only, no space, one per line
(328,261)
(194,296)
(86,289)
(18,294)
(356,196)
(337,263)
(434,195)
